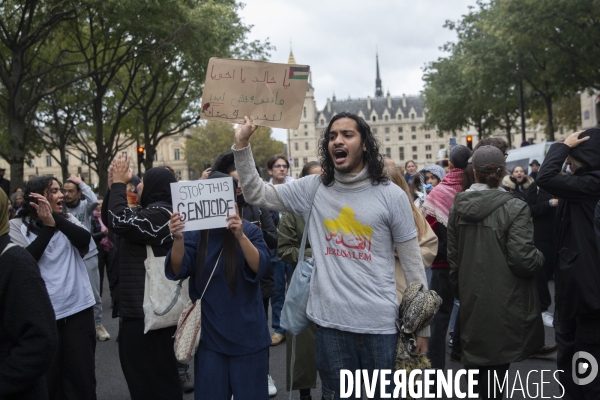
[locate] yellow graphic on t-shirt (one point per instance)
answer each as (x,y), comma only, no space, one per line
(348,232)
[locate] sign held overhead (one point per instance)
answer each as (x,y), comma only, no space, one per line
(269,93)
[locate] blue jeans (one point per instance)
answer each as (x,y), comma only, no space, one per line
(281,273)
(337,350)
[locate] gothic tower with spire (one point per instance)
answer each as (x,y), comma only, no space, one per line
(378,88)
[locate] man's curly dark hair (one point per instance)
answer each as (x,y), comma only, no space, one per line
(39,185)
(372,158)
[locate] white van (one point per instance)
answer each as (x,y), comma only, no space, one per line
(523,156)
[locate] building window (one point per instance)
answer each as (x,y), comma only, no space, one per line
(374,118)
(413,128)
(83,159)
(428,156)
(413,137)
(155,158)
(295,133)
(400,137)
(31,163)
(374,130)
(387,138)
(305,145)
(388,152)
(305,115)
(387,130)
(296,162)
(414,148)
(296,146)
(401,153)
(386,117)
(399,116)
(305,133)
(304,160)
(322,122)
(176,139)
(48,161)
(414,157)
(427,136)
(586,114)
(305,126)
(412,116)
(176,154)
(442,146)
(178,174)
(428,147)
(400,130)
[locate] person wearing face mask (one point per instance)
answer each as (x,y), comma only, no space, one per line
(517,183)
(147,359)
(56,239)
(437,208)
(576,272)
(28,337)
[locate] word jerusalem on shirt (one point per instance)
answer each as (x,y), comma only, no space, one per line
(330,251)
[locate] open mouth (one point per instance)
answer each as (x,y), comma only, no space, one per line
(340,155)
(59,204)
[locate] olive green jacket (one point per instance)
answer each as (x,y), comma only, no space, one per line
(492,262)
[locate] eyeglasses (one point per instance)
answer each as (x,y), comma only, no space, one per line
(282,166)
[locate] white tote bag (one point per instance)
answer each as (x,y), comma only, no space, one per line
(164,299)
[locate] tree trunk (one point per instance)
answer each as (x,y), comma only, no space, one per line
(508,130)
(16,143)
(102,161)
(149,157)
(64,167)
(548,101)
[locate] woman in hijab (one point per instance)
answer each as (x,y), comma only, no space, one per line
(148,360)
(232,356)
(58,241)
(28,338)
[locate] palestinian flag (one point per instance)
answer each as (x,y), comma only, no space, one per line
(299,73)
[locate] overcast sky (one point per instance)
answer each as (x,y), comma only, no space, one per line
(338,39)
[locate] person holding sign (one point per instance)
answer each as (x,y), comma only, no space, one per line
(226,264)
(147,359)
(357,218)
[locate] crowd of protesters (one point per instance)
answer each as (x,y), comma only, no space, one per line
(485,239)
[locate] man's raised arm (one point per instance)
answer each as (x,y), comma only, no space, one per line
(256,191)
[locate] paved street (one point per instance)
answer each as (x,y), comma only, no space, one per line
(112,386)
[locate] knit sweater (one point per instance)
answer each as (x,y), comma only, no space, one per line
(373,205)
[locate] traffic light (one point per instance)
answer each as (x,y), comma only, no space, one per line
(140,151)
(470,142)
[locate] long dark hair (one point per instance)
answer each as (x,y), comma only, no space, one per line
(229,255)
(468,178)
(39,185)
(372,158)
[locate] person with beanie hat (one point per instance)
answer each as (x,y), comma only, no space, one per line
(576,273)
(437,208)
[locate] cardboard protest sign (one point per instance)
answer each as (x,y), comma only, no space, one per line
(204,204)
(271,94)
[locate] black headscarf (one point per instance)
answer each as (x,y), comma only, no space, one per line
(588,151)
(157,186)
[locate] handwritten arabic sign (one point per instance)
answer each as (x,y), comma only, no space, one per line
(204,204)
(271,94)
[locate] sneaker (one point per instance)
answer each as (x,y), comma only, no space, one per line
(548,319)
(545,351)
(187,384)
(276,339)
(272,388)
(101,333)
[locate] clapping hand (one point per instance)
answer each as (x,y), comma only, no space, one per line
(121,171)
(43,209)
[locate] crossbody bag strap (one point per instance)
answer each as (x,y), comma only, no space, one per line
(8,246)
(312,200)
(211,275)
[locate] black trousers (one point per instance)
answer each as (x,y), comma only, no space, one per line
(73,372)
(544,274)
(572,336)
(436,349)
(105,261)
(485,379)
(148,361)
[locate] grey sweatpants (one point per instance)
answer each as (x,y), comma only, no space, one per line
(91,264)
